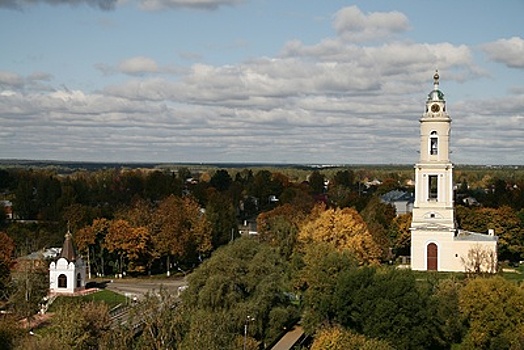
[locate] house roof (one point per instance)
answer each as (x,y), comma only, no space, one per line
(397,196)
(68,249)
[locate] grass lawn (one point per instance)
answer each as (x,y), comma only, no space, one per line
(112,299)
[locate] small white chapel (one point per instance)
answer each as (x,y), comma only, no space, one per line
(436,242)
(68,274)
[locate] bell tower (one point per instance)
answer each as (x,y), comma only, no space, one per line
(436,242)
(433,207)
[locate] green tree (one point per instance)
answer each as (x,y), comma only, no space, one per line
(74,326)
(321,266)
(379,216)
(28,287)
(221,180)
(316,182)
(242,279)
(387,304)
(220,213)
(493,309)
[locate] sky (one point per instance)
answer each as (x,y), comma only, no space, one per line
(258,81)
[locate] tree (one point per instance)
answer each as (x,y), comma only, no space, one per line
(446,296)
(400,234)
(493,309)
(338,338)
(279,227)
(161,321)
(316,182)
(75,326)
(504,221)
(480,260)
(344,178)
(221,180)
(7,249)
(220,213)
(321,266)
(90,241)
(132,244)
(379,216)
(386,304)
(245,278)
(29,285)
(344,229)
(182,230)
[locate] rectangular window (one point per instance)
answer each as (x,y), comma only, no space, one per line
(433,187)
(434,146)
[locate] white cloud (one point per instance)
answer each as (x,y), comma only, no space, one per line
(155,5)
(336,101)
(353,25)
(138,66)
(506,51)
(9,79)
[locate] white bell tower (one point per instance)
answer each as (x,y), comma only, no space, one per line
(436,242)
(433,207)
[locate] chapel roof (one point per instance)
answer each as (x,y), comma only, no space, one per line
(68,249)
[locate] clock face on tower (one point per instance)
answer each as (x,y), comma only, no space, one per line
(435,108)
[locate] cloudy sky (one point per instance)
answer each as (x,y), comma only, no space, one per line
(285,81)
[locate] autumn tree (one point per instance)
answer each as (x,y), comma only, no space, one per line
(90,241)
(344,229)
(493,309)
(400,235)
(7,249)
(504,221)
(133,245)
(182,230)
(338,338)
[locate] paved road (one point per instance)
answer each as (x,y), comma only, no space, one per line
(139,286)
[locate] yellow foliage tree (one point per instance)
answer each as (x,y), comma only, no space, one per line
(344,229)
(494,310)
(338,338)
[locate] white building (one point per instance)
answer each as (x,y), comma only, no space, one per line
(68,273)
(436,242)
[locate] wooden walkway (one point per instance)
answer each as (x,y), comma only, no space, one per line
(289,339)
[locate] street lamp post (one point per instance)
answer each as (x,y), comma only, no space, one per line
(248,319)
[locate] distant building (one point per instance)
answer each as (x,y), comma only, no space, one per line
(8,208)
(68,274)
(436,241)
(401,200)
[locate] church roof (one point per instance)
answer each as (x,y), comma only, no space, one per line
(68,249)
(474,236)
(436,94)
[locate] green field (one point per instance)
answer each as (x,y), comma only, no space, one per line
(112,299)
